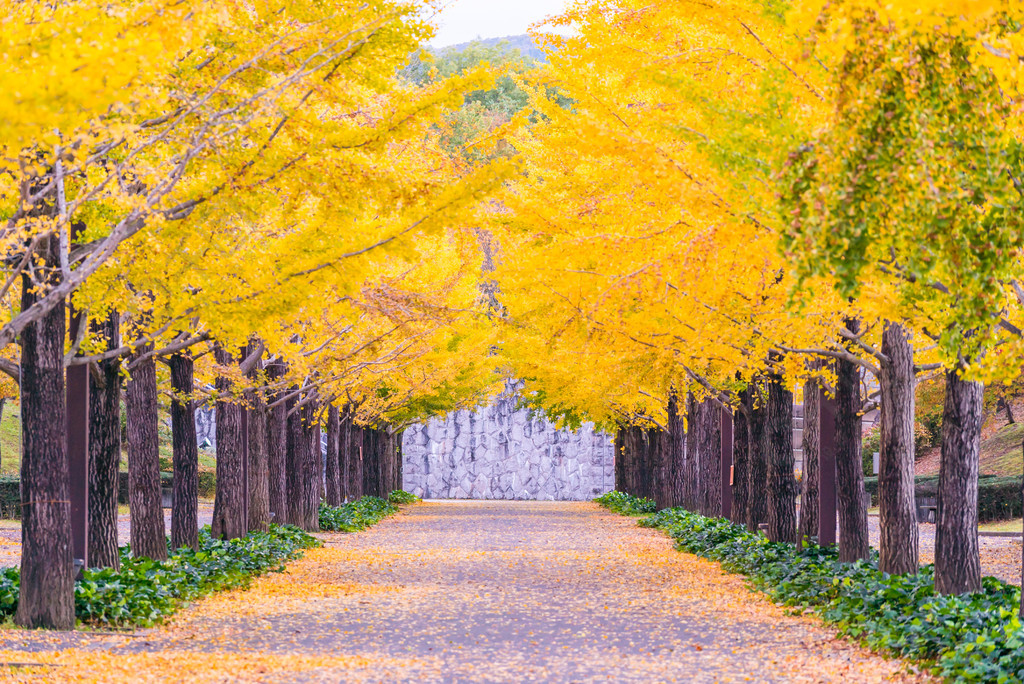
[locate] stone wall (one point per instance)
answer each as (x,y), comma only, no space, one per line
(500,452)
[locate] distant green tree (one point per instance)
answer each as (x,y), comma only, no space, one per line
(484,110)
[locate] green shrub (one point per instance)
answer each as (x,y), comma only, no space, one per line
(145,591)
(400,496)
(355,515)
(10,496)
(999,498)
(207,484)
(871,443)
(626,504)
(976,637)
(929,399)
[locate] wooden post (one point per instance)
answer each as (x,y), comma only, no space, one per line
(827,471)
(726,470)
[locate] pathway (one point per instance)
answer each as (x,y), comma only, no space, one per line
(478,591)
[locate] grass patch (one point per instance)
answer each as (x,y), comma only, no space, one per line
(1003,526)
(1001,453)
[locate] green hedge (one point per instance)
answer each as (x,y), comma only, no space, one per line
(146,591)
(355,515)
(626,504)
(974,638)
(999,498)
(10,496)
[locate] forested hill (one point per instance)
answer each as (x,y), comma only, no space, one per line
(524,43)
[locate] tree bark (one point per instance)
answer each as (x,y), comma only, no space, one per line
(294,451)
(757,473)
(810,447)
(781,482)
(277,452)
(47,586)
(311,480)
(371,471)
(740,464)
(897,548)
(185,506)
(691,479)
(148,535)
(957,560)
(850,499)
(388,451)
(620,459)
(259,451)
(710,422)
(354,459)
(229,520)
(259,462)
(3,402)
(333,496)
(675,445)
(344,445)
(104,450)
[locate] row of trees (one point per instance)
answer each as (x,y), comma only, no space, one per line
(236,203)
(746,206)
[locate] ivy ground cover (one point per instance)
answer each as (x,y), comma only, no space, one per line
(977,637)
(145,591)
(477,591)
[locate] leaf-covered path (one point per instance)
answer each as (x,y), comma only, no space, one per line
(476,591)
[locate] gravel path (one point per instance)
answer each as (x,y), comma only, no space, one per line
(478,591)
(1000,556)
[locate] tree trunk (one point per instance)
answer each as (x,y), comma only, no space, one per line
(259,462)
(957,560)
(371,454)
(309,466)
(810,446)
(3,403)
(1002,404)
(148,535)
(781,482)
(104,450)
(259,452)
(333,495)
(897,548)
(675,446)
(710,458)
(740,465)
(387,461)
(691,480)
(229,520)
(620,459)
(296,447)
(355,462)
(277,451)
(757,470)
(344,444)
(47,594)
(850,499)
(185,506)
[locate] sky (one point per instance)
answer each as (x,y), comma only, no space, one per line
(466,20)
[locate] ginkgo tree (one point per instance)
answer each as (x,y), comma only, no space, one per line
(657,211)
(263,138)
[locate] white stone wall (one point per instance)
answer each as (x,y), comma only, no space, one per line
(502,453)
